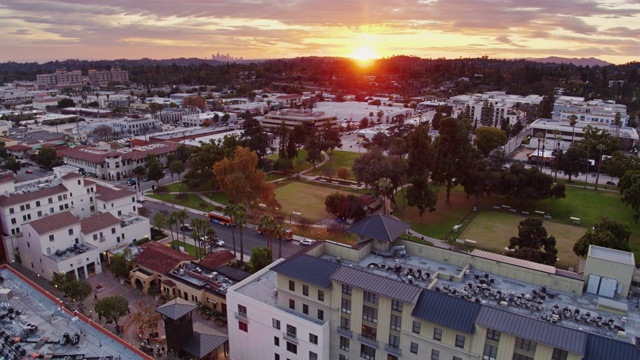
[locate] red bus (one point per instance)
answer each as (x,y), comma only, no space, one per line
(222,219)
(288,234)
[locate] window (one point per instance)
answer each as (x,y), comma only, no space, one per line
(437,334)
(243,326)
(346,289)
(460,341)
(292,304)
(305,290)
(344,343)
(346,306)
(13,221)
(242,310)
(70,231)
(275,323)
(50,201)
(435,354)
(369,314)
(394,341)
(320,295)
(320,314)
(39,213)
(51,238)
(414,348)
(517,356)
(416,327)
(313,339)
(292,331)
(370,297)
(395,322)
(369,332)
(21,207)
(525,344)
(276,341)
(396,305)
(342,357)
(345,323)
(493,335)
(313,356)
(292,348)
(456,358)
(490,352)
(38,203)
(367,352)
(11,211)
(292,285)
(559,354)
(305,309)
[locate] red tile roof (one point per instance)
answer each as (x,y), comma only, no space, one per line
(160,258)
(53,222)
(215,259)
(97,222)
(22,198)
(108,194)
(18,147)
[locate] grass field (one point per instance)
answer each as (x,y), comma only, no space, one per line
(338,159)
(303,198)
(493,228)
(191,201)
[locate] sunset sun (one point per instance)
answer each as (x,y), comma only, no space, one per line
(363,54)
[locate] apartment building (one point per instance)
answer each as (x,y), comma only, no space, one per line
(494,107)
(341,302)
(68,224)
(592,111)
(135,127)
(117,164)
(212,117)
(104,77)
(290,118)
(559,134)
(60,78)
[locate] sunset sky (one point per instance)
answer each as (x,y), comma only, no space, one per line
(40,30)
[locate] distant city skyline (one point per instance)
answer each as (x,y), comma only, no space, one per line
(45,30)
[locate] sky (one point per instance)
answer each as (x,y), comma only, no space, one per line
(44,30)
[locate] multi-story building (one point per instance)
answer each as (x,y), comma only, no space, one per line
(592,111)
(116,164)
(493,107)
(60,78)
(135,127)
(290,118)
(104,77)
(68,224)
(212,117)
(413,301)
(559,134)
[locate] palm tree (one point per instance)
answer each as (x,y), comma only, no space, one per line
(573,120)
(171,220)
(181,216)
(539,135)
(267,224)
(601,148)
(230,211)
(199,232)
(278,231)
(240,220)
(618,123)
(209,236)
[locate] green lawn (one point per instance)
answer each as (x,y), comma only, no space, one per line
(304,198)
(338,159)
(491,229)
(299,163)
(190,249)
(192,201)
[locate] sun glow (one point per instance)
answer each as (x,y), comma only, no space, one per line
(364,54)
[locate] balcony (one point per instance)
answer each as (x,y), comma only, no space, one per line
(345,332)
(368,340)
(241,316)
(290,337)
(393,350)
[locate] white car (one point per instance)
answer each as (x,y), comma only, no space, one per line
(141,199)
(218,242)
(306,242)
(139,206)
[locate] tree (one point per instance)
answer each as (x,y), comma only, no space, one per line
(183,153)
(630,190)
(533,243)
(343,173)
(239,214)
(194,101)
(573,162)
(12,164)
(268,224)
(452,153)
(66,103)
(607,233)
(47,158)
(573,120)
(139,172)
(112,308)
(121,264)
(176,167)
(488,139)
(526,186)
(545,109)
(154,173)
(202,159)
(103,132)
(78,290)
(314,151)
(160,220)
(243,183)
(619,163)
(180,216)
(255,138)
(421,196)
(145,316)
(200,227)
(260,258)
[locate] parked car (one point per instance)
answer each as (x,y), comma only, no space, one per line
(218,242)
(141,199)
(29,171)
(186,227)
(145,179)
(132,181)
(306,242)
(611,183)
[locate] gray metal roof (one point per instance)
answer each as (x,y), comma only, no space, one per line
(309,269)
(600,347)
(380,227)
(176,308)
(377,284)
(543,332)
(452,312)
(201,345)
(619,256)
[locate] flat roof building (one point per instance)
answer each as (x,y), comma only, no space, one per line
(291,118)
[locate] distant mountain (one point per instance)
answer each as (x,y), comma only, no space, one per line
(576,61)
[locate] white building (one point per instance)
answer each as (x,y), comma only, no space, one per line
(135,126)
(212,117)
(60,78)
(500,105)
(592,111)
(68,221)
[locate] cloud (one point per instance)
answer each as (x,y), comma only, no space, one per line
(253,28)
